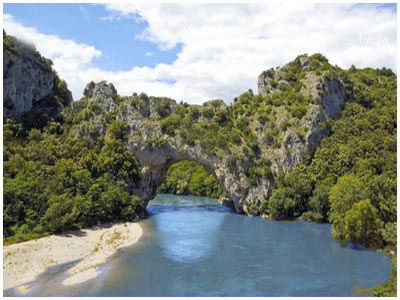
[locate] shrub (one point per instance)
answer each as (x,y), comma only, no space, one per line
(362,224)
(389,233)
(299,111)
(170,124)
(10,43)
(208,113)
(162,107)
(347,191)
(221,116)
(281,204)
(119,130)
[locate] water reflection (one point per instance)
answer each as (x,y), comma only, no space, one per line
(204,250)
(184,236)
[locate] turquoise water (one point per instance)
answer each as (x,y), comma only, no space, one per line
(194,247)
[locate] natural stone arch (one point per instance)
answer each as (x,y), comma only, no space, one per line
(155,163)
(155,157)
(156,149)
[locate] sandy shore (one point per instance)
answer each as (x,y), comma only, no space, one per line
(23,262)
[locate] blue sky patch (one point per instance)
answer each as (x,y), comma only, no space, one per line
(83,23)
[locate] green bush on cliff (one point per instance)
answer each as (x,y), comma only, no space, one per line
(10,43)
(169,124)
(61,92)
(119,130)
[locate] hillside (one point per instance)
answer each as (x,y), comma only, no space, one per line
(316,143)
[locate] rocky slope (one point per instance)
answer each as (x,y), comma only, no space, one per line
(245,145)
(161,131)
(30,83)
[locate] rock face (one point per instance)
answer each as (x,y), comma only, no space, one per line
(156,151)
(155,160)
(28,80)
(328,98)
(101,89)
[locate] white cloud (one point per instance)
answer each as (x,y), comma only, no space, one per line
(149,54)
(225,47)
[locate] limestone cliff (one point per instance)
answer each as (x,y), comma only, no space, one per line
(285,122)
(326,100)
(29,82)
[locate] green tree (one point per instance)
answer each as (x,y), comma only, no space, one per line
(362,224)
(282,204)
(347,191)
(187,177)
(390,233)
(60,215)
(318,205)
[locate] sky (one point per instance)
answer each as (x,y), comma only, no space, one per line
(197,52)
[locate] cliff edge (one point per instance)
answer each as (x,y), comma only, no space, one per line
(29,82)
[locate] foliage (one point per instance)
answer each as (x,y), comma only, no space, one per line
(347,191)
(55,181)
(356,162)
(169,124)
(281,204)
(389,234)
(318,204)
(10,43)
(190,178)
(60,90)
(362,224)
(119,130)
(162,106)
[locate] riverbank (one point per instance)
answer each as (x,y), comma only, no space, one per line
(23,262)
(389,288)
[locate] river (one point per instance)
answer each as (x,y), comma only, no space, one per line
(194,247)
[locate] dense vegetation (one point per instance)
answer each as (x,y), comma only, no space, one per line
(351,179)
(356,163)
(55,181)
(190,178)
(74,170)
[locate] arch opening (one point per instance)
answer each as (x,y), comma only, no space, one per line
(155,163)
(186,177)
